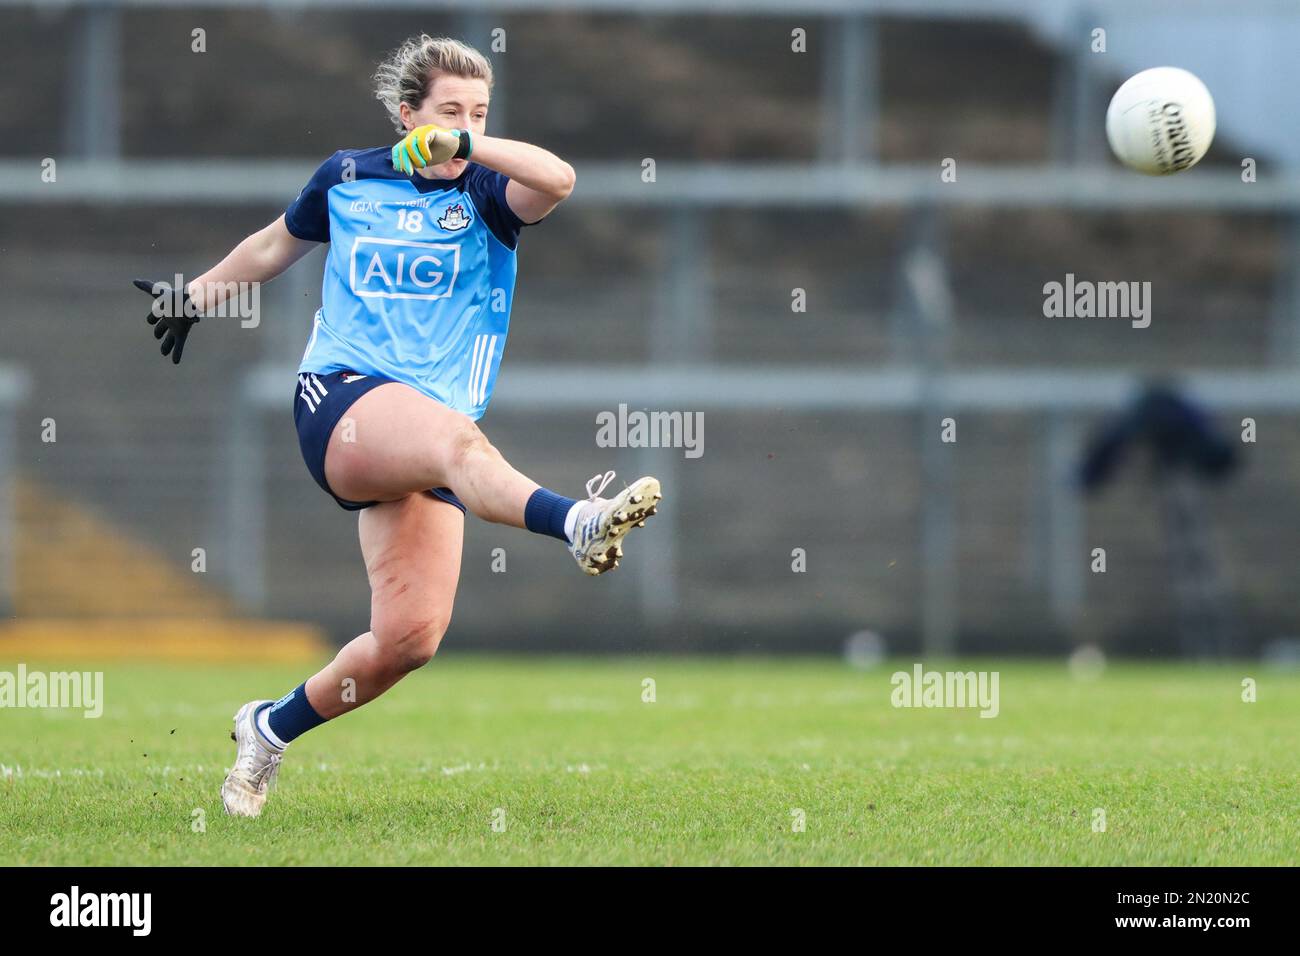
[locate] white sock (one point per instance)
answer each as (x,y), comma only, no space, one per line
(571,519)
(264,725)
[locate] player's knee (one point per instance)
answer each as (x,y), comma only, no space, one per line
(467,443)
(409,643)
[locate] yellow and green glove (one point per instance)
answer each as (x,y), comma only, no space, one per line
(431,146)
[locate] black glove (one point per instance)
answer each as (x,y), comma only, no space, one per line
(172,315)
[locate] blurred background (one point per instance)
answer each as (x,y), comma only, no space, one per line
(798,272)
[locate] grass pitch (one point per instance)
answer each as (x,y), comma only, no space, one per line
(572,767)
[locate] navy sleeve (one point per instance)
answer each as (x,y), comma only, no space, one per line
(488,189)
(308,216)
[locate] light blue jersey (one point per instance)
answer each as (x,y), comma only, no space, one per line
(420,275)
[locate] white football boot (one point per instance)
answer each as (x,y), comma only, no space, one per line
(256,764)
(602,522)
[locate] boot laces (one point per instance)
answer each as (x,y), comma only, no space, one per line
(600,481)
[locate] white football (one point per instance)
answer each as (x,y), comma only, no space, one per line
(1161,121)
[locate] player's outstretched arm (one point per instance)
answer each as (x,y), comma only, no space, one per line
(259,258)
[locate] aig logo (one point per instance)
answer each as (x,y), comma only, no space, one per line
(401,269)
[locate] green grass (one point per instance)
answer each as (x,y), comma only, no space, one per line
(587,773)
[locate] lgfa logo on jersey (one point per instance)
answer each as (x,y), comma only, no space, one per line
(454,218)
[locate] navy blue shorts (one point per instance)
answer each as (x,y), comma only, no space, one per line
(321,400)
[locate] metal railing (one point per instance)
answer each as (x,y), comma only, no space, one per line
(1059,397)
(14,387)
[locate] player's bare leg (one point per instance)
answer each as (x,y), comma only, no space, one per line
(391,447)
(412,550)
(397,441)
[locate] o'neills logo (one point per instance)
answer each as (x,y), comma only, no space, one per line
(1173,151)
(75,908)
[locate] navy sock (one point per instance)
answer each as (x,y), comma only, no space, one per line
(292,715)
(545,513)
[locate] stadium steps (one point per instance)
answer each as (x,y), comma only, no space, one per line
(72,562)
(85,588)
(182,639)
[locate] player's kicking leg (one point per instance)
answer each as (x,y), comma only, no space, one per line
(380,459)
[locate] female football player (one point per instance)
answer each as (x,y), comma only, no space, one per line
(401,363)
